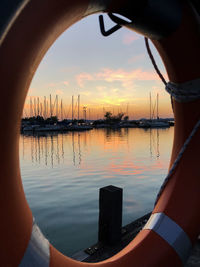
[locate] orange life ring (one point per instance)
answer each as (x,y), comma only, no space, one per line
(29,31)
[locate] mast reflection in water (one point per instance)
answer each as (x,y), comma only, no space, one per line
(62,174)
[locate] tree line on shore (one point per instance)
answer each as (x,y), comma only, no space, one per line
(109,118)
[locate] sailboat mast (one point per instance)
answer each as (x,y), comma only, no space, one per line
(78,106)
(34,107)
(57,106)
(47,108)
(150,107)
(72,108)
(127,109)
(45,111)
(50,107)
(31,108)
(41,110)
(61,107)
(38,107)
(157,106)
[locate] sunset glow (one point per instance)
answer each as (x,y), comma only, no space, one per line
(110,74)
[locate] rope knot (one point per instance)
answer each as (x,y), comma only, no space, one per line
(184,92)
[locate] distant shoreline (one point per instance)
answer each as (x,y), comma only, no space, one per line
(39,124)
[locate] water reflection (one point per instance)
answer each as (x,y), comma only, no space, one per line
(50,148)
(118,132)
(76,148)
(154,138)
(43,148)
(62,174)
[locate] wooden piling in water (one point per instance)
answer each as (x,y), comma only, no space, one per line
(110,215)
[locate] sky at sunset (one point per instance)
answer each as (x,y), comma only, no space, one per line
(111,73)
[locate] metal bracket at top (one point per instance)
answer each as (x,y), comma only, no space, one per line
(110,31)
(119,23)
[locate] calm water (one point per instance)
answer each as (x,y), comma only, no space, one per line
(62,174)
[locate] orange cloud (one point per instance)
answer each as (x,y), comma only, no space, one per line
(129,38)
(52,84)
(125,77)
(66,83)
(82,77)
(55,84)
(86,93)
(59,92)
(100,88)
(111,100)
(136,58)
(110,75)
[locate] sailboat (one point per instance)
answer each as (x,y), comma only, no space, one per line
(77,126)
(154,123)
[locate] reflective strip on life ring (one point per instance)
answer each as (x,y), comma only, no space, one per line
(37,253)
(171,232)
